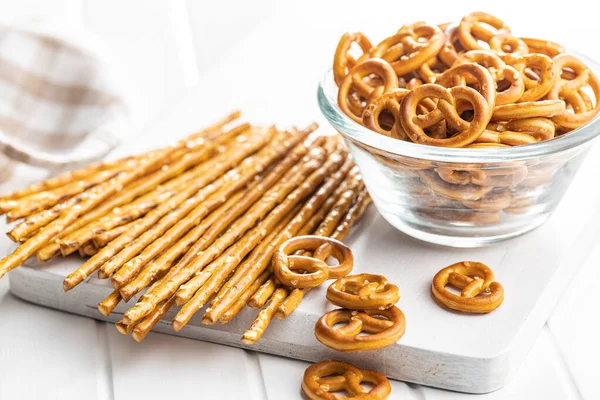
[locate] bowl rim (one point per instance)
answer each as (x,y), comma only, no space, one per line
(327,100)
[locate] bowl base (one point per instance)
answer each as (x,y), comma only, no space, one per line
(449,235)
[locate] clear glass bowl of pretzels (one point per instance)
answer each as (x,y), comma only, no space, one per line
(464,134)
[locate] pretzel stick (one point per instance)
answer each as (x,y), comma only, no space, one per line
(277,174)
(89,249)
(340,201)
(262,161)
(293,300)
(145,325)
(86,201)
(70,176)
(303,186)
(260,324)
(44,200)
(108,304)
(263,294)
(144,204)
(151,218)
(123,329)
(252,268)
(239,304)
(102,239)
(36,221)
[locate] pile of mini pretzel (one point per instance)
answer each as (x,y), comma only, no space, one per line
(471,85)
(193,223)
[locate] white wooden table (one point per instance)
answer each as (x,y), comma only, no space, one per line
(45,354)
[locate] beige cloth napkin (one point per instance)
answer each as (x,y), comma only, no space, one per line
(58,104)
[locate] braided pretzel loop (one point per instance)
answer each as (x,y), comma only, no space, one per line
(383,332)
(363,292)
(479,292)
(388,102)
(537,71)
(321,380)
(411,47)
(502,74)
(342,60)
(571,91)
(468,131)
(361,70)
(298,271)
(479,26)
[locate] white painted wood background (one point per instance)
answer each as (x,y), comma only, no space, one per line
(166,48)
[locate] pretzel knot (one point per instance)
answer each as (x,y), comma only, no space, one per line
(342,61)
(300,271)
(321,380)
(411,47)
(356,90)
(538,73)
(479,292)
(388,103)
(467,131)
(383,332)
(480,27)
(574,77)
(363,292)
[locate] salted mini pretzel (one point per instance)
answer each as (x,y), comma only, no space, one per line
(508,44)
(571,91)
(298,271)
(453,191)
(473,279)
(496,200)
(538,83)
(389,102)
(342,60)
(414,124)
(411,47)
(351,83)
(321,380)
(363,292)
(383,332)
(476,27)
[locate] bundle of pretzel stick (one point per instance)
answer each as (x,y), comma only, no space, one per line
(194,223)
(473,84)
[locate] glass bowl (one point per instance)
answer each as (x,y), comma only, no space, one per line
(461,197)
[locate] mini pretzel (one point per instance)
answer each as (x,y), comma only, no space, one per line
(452,191)
(371,66)
(384,332)
(538,73)
(287,267)
(363,292)
(499,177)
(570,91)
(461,74)
(471,217)
(413,124)
(530,109)
(321,380)
(342,61)
(406,51)
(473,279)
(389,102)
(474,27)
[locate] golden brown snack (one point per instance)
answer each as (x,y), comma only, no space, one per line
(479,292)
(385,327)
(363,292)
(321,380)
(286,264)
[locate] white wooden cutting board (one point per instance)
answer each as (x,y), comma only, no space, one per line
(470,353)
